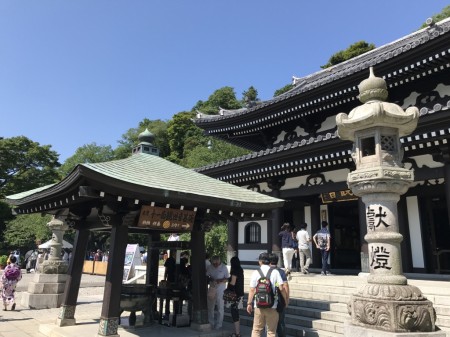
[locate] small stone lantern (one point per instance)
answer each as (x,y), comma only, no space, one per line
(386,302)
(54,264)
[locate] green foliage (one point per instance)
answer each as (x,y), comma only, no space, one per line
(354,50)
(180,128)
(280,91)
(445,13)
(5,215)
(3,260)
(25,165)
(25,231)
(250,96)
(211,151)
(89,153)
(216,240)
(224,98)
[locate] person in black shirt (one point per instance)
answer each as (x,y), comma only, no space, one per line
(236,283)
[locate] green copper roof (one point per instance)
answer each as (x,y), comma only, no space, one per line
(155,172)
(152,178)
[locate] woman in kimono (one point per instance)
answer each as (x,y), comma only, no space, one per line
(11,275)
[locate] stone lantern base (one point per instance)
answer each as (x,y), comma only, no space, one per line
(45,291)
(392,308)
(358,331)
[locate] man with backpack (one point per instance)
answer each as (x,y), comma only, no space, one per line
(261,297)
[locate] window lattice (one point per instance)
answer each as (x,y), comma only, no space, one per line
(388,143)
(253,233)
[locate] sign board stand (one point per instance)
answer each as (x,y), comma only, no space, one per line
(132,259)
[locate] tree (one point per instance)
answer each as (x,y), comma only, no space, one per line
(250,97)
(26,165)
(88,153)
(180,128)
(216,241)
(354,50)
(212,151)
(26,231)
(224,98)
(280,91)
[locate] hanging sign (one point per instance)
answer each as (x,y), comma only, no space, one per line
(166,219)
(345,195)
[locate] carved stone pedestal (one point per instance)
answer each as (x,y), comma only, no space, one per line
(45,291)
(356,331)
(394,308)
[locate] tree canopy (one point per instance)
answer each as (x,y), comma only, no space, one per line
(224,98)
(354,50)
(26,165)
(89,153)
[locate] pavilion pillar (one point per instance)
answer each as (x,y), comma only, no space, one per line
(152,260)
(199,285)
(110,316)
(276,220)
(232,244)
(66,315)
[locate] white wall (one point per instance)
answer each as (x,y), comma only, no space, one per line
(412,206)
(241,232)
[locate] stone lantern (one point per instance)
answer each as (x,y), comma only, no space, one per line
(386,303)
(46,289)
(54,264)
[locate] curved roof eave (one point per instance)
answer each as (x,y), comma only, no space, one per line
(365,61)
(156,179)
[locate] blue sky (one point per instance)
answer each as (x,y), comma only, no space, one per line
(77,72)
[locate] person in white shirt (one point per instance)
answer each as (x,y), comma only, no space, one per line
(265,316)
(218,276)
(303,240)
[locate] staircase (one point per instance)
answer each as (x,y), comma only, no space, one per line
(318,304)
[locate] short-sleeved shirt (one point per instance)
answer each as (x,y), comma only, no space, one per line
(275,280)
(322,237)
(303,239)
(218,273)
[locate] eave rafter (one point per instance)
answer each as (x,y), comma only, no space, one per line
(99,205)
(414,57)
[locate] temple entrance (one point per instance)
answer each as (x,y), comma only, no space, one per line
(344,230)
(436,229)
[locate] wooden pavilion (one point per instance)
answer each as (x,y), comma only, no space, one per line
(140,194)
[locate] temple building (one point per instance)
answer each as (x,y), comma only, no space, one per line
(296,155)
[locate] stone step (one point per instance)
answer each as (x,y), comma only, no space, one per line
(294,312)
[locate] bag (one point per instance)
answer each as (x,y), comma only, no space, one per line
(281,305)
(264,295)
(229,296)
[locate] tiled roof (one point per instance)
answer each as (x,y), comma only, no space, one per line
(379,55)
(160,177)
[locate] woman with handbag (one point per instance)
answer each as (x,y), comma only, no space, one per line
(234,293)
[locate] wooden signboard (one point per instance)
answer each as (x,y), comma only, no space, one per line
(345,195)
(166,219)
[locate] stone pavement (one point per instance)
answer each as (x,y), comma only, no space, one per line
(24,322)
